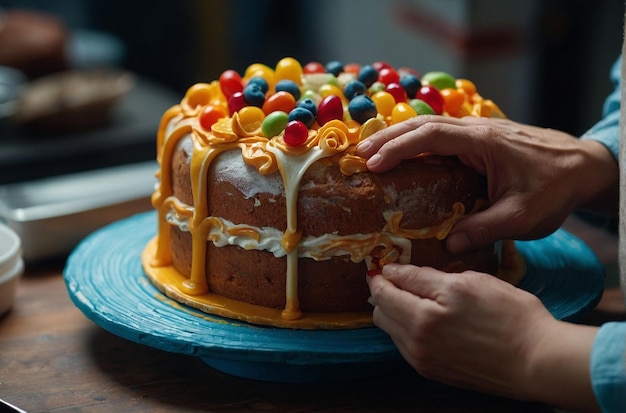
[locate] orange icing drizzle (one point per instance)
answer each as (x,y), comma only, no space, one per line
(334,141)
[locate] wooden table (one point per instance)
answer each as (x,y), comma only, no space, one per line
(53,359)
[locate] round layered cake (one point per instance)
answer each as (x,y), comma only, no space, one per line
(265,214)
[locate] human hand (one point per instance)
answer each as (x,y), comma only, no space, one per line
(536,177)
(475,331)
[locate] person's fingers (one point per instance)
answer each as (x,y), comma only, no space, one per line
(402,288)
(398,310)
(510,217)
(372,144)
(390,325)
(486,227)
(399,305)
(405,140)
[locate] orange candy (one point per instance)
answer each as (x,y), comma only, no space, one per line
(210,115)
(352,68)
(280,101)
(453,99)
(466,85)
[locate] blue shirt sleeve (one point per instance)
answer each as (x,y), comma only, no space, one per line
(608,355)
(608,367)
(606,131)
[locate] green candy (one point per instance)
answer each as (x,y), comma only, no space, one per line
(421,107)
(376,87)
(274,123)
(440,80)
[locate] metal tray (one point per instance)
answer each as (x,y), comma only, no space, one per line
(52,215)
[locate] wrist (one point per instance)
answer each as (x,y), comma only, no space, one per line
(558,366)
(598,177)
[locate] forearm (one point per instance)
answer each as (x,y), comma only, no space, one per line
(598,179)
(559,367)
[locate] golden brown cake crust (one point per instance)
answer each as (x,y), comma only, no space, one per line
(265,213)
(330,203)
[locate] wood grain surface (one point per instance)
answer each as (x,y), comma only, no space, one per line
(53,359)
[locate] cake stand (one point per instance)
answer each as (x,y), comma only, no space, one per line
(105,280)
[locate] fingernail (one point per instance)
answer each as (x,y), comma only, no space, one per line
(371,301)
(374,159)
(363,146)
(458,242)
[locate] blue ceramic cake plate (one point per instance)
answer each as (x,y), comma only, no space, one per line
(106,282)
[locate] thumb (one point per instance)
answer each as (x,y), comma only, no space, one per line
(482,228)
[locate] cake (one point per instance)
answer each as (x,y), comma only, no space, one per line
(32,42)
(266,215)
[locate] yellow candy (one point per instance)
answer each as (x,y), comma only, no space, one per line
(200,94)
(401,112)
(289,68)
(260,70)
(384,102)
(251,117)
(328,89)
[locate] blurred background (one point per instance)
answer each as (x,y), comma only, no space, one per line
(544,62)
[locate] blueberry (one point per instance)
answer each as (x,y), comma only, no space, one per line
(308,104)
(260,82)
(253,95)
(303,115)
(335,67)
(353,88)
(411,84)
(368,75)
(362,108)
(288,86)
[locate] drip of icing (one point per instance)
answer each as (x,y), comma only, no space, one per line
(292,168)
(197,220)
(334,141)
(229,168)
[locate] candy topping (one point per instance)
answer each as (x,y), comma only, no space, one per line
(431,95)
(296,133)
(285,120)
(362,108)
(316,93)
(230,82)
(329,108)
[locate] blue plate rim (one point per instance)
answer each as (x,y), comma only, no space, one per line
(114,251)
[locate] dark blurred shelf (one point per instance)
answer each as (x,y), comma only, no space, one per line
(128,137)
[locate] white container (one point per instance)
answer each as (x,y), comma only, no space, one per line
(52,215)
(11,266)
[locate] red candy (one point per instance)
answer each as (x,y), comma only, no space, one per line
(281,99)
(397,91)
(313,67)
(381,65)
(431,95)
(387,76)
(236,102)
(230,82)
(329,108)
(210,115)
(295,133)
